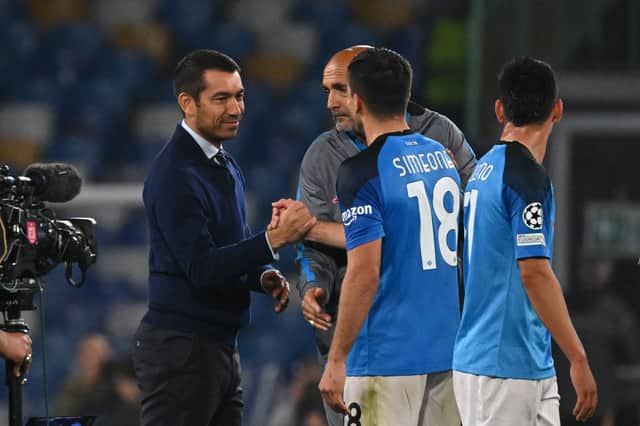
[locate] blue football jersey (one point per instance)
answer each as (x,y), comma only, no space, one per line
(404,189)
(508,215)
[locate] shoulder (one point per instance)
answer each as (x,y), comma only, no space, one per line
(523,174)
(356,171)
(434,125)
(321,145)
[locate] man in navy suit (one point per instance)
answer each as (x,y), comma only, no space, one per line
(203,258)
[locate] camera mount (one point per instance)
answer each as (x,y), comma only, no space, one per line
(17,296)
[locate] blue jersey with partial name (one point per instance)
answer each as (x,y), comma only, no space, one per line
(508,214)
(404,189)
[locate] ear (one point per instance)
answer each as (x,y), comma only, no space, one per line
(187,104)
(499,108)
(358,104)
(557,111)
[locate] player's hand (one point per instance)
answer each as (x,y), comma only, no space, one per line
(312,310)
(276,208)
(276,285)
(332,386)
(586,390)
(291,225)
(16,347)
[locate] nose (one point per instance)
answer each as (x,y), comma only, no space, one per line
(234,107)
(332,102)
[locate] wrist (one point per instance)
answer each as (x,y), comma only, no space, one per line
(336,358)
(578,358)
(274,239)
(313,233)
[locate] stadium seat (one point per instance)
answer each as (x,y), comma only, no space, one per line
(188,19)
(24,130)
(52,13)
(231,38)
(112,14)
(69,52)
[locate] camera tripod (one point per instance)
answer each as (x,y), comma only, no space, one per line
(15,297)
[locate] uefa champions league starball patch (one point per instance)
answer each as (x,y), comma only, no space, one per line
(532,216)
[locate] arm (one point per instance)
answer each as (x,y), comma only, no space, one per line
(358,292)
(325,241)
(464,157)
(328,233)
(543,290)
(182,224)
(318,272)
(317,190)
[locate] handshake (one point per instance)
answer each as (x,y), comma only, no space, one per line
(290,222)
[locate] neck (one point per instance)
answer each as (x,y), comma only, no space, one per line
(374,127)
(535,137)
(191,123)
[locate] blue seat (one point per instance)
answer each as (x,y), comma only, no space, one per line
(70,52)
(328,16)
(83,151)
(188,18)
(350,35)
(232,39)
(134,71)
(11,10)
(409,42)
(20,42)
(134,231)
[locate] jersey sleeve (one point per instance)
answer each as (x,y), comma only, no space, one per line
(361,207)
(531,220)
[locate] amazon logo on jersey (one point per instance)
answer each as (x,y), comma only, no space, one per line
(351,214)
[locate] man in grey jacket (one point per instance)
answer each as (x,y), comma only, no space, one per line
(322,256)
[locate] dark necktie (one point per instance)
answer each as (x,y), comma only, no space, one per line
(220,159)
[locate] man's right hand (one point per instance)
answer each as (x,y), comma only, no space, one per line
(15,347)
(586,390)
(312,310)
(293,223)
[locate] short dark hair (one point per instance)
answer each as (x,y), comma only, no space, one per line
(527,89)
(188,74)
(382,78)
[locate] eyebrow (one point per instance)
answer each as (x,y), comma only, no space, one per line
(227,94)
(336,86)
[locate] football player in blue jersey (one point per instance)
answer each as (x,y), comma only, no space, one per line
(390,357)
(503,368)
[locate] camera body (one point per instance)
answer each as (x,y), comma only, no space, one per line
(32,240)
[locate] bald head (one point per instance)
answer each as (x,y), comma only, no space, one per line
(335,82)
(339,63)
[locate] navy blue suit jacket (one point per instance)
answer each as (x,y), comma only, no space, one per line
(203,258)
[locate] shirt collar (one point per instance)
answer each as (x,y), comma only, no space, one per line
(209,149)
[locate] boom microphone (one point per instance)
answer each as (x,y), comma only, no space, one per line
(54,182)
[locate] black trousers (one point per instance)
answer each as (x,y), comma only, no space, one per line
(186,379)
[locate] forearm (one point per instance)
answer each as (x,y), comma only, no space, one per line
(3,343)
(357,295)
(548,301)
(216,266)
(329,233)
(316,270)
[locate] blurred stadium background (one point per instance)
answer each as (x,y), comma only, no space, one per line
(88,82)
